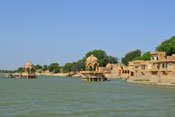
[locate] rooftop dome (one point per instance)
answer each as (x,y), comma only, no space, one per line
(109,65)
(92,59)
(28,65)
(92,63)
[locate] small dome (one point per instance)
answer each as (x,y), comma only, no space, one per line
(28,65)
(109,65)
(92,59)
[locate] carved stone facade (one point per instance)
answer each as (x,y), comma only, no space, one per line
(92,63)
(160,69)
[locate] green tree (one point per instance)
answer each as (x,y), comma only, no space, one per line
(67,67)
(45,68)
(167,46)
(79,65)
(130,56)
(103,58)
(144,57)
(111,59)
(38,67)
(100,54)
(20,69)
(54,67)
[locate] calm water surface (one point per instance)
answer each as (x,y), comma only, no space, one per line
(71,97)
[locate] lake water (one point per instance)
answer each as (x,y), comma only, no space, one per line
(72,97)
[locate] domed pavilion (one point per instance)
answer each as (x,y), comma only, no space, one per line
(29,67)
(109,67)
(92,72)
(92,63)
(29,72)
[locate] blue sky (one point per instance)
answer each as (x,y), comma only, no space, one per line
(46,31)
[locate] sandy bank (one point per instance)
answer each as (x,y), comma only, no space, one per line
(150,83)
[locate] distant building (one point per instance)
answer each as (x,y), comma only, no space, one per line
(92,63)
(93,71)
(29,72)
(160,69)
